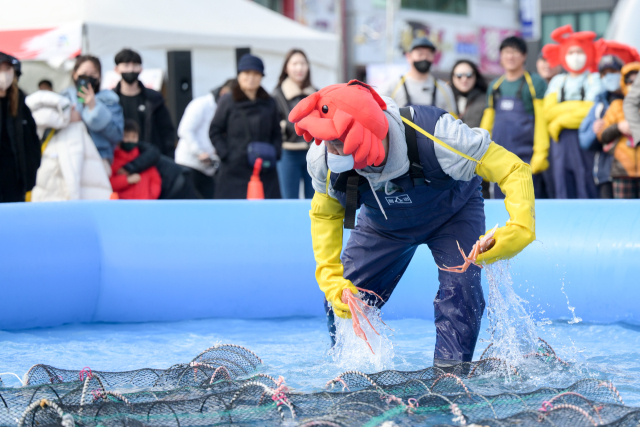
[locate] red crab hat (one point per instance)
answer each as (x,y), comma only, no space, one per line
(623,51)
(351,112)
(566,38)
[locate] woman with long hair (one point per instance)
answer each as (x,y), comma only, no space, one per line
(293,86)
(19,142)
(470,91)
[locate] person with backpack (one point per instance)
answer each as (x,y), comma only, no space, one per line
(415,175)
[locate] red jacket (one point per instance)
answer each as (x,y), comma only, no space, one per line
(150,182)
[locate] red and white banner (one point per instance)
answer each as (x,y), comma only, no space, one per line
(43,44)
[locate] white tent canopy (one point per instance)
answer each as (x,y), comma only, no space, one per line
(210,29)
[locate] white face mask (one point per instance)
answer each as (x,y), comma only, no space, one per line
(6,79)
(339,164)
(576,61)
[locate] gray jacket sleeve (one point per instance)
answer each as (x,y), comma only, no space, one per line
(317,167)
(473,142)
(631,109)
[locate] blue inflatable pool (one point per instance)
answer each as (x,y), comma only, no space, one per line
(162,261)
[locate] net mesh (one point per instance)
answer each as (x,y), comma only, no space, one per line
(221,387)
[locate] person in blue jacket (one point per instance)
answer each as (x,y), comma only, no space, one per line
(414,173)
(100,110)
(609,68)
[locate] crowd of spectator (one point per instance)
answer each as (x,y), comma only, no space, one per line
(577,129)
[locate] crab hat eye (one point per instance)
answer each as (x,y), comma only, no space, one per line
(325,109)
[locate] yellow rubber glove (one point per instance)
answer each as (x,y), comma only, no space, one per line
(488,118)
(539,161)
(548,102)
(327,215)
(570,118)
(513,176)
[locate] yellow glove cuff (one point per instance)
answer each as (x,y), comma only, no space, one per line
(513,176)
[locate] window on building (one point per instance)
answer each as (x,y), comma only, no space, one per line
(274,5)
(586,21)
(444,6)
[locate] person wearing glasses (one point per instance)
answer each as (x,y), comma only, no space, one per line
(514,106)
(470,91)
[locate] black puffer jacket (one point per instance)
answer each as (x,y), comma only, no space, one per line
(237,122)
(158,127)
(19,151)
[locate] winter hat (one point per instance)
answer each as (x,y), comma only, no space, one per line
(566,38)
(249,62)
(610,62)
(350,112)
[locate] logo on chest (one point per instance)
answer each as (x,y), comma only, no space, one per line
(402,199)
(507,104)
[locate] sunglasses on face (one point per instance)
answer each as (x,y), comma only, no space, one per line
(468,75)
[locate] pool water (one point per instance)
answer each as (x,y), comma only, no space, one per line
(298,349)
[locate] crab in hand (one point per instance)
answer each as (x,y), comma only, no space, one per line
(485,243)
(356,306)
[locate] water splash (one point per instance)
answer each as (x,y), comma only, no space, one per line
(352,353)
(574,318)
(511,327)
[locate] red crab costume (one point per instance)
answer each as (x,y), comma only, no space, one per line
(565,36)
(352,113)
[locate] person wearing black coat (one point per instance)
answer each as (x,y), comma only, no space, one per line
(145,106)
(19,142)
(244,117)
(177,182)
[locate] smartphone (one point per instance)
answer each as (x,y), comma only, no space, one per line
(82,83)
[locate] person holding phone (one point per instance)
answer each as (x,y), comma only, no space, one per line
(99,110)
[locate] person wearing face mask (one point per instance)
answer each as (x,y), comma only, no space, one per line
(145,185)
(469,89)
(514,115)
(294,85)
(609,68)
(245,127)
(418,86)
(616,138)
(567,102)
(415,175)
(98,109)
(145,106)
(19,142)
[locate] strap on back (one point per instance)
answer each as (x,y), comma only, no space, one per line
(415,169)
(351,204)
